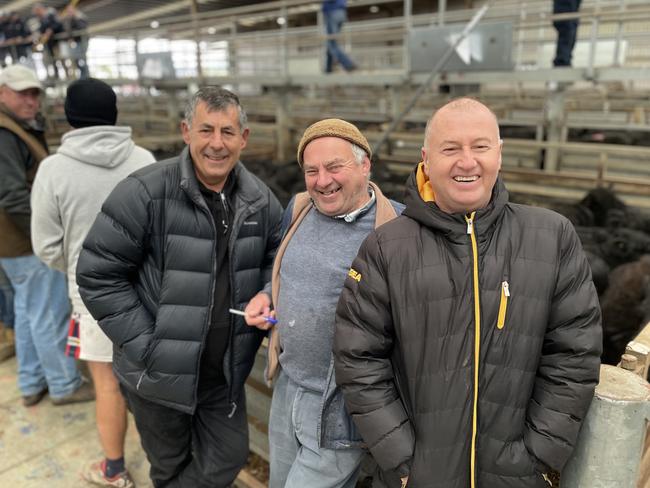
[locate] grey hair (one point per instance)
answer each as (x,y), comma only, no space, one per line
(217,99)
(359,153)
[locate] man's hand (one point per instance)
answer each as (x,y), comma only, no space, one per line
(258,310)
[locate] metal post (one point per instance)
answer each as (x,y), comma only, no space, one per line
(194,10)
(136,49)
(442,8)
(283,149)
(619,36)
(555,119)
(611,439)
(408,9)
(285,41)
(593,39)
(520,37)
(232,52)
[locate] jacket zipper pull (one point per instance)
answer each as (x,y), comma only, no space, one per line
(470,225)
(506,288)
(137,386)
(224,220)
(232,412)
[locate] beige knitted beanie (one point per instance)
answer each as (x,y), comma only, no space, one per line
(333,128)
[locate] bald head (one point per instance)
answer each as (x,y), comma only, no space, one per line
(462,107)
(462,155)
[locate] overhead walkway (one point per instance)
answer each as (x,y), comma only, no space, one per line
(592,120)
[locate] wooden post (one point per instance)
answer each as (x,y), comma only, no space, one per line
(640,349)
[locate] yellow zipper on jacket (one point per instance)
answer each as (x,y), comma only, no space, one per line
(477,345)
(503,305)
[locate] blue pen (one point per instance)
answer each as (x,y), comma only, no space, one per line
(270,320)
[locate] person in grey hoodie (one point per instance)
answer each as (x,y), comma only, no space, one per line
(67,195)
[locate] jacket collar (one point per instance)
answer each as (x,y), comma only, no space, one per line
(245,186)
(420,206)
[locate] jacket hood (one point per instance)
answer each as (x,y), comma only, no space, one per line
(103,145)
(420,201)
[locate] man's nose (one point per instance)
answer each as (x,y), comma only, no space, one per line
(467,159)
(324,178)
(216,141)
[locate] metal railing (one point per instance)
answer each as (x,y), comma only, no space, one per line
(612,34)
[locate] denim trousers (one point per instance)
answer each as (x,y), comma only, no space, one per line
(6,300)
(334,20)
(42,311)
(296,460)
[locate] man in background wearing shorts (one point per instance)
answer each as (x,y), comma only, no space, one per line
(68,192)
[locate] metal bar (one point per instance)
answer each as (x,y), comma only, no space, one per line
(595,22)
(619,35)
(424,86)
(194,9)
(408,11)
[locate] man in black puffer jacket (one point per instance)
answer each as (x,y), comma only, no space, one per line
(175,246)
(468,334)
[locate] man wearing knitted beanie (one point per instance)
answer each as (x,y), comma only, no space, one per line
(312,439)
(68,192)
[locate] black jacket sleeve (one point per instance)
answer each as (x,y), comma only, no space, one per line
(111,255)
(274,238)
(363,344)
(570,364)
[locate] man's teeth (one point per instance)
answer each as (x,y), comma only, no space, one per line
(329,192)
(465,178)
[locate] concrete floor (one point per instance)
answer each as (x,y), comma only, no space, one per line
(48,446)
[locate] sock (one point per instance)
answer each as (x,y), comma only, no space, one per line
(114,467)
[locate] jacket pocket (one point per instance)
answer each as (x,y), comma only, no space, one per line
(503,305)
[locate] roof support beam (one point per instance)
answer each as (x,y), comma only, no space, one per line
(146,14)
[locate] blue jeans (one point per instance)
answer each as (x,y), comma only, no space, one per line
(334,20)
(296,459)
(42,311)
(6,300)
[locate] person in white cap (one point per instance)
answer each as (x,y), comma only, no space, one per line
(41,305)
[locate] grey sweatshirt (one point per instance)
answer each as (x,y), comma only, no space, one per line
(313,271)
(70,188)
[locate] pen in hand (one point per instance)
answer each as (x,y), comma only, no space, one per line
(270,320)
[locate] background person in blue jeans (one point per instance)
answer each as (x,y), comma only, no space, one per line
(7,349)
(335,14)
(566,31)
(41,305)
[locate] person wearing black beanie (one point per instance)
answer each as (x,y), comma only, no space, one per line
(67,195)
(90,102)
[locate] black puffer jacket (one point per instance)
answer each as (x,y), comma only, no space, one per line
(406,354)
(146,273)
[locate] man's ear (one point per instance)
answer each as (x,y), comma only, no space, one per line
(500,152)
(423,152)
(185,131)
(366,164)
(244,135)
